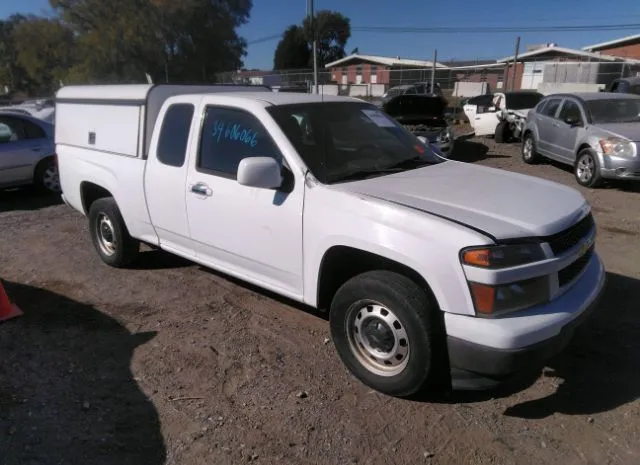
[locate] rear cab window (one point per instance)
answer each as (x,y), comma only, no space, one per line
(174,134)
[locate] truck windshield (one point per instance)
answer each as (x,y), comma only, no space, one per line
(614,110)
(342,141)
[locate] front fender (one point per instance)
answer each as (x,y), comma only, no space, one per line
(428,245)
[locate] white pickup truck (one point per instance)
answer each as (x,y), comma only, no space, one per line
(434,272)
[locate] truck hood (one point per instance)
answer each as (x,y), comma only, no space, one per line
(500,204)
(629,131)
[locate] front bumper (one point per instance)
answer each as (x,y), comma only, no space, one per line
(551,326)
(620,167)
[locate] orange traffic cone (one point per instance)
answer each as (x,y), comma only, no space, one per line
(7,309)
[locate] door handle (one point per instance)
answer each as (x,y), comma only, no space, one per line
(36,149)
(556,125)
(201,189)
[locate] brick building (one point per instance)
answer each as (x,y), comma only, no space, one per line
(373,69)
(625,47)
(530,68)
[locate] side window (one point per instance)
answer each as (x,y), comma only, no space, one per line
(570,111)
(551,107)
(541,105)
(229,135)
(32,130)
(174,134)
(15,126)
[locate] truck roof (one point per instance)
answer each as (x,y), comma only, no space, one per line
(286,98)
(154,95)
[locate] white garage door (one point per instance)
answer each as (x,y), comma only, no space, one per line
(532,75)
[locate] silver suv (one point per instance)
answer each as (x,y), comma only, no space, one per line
(597,133)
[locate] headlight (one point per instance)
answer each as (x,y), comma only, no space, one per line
(489,300)
(618,147)
(502,256)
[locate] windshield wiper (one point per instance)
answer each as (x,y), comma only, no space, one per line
(394,168)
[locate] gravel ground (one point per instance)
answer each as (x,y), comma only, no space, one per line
(169,363)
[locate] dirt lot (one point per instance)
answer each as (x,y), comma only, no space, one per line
(170,363)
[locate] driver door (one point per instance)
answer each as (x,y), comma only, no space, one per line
(485,123)
(245,231)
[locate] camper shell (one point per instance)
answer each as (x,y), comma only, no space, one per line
(120,118)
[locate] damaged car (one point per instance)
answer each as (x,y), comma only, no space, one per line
(506,117)
(424,116)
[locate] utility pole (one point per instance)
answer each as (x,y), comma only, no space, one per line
(313,44)
(515,63)
(433,71)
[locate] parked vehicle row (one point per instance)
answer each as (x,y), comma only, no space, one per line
(434,272)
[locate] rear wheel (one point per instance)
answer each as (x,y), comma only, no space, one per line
(384,328)
(109,234)
(46,176)
(587,170)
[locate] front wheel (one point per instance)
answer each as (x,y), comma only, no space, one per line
(587,170)
(109,234)
(384,328)
(529,150)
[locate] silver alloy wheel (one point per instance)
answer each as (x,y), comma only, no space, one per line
(106,235)
(527,150)
(51,179)
(586,168)
(377,338)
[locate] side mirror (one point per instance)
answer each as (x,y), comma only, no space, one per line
(5,133)
(572,122)
(262,172)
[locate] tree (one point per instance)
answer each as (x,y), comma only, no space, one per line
(44,50)
(12,76)
(179,41)
(292,51)
(332,31)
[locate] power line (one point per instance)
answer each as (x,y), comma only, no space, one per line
(475,30)
(496,29)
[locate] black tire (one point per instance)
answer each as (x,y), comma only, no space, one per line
(410,311)
(109,234)
(46,177)
(503,132)
(530,155)
(587,169)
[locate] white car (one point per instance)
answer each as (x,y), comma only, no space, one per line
(435,273)
(508,108)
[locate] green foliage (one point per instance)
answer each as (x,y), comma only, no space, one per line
(293,50)
(119,41)
(332,31)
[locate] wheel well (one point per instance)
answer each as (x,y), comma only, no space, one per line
(341,263)
(40,163)
(91,192)
(581,148)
